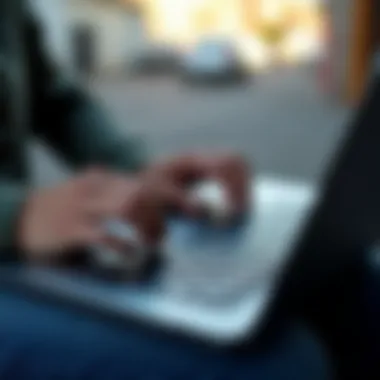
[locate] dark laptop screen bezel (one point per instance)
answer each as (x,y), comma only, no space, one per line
(346,221)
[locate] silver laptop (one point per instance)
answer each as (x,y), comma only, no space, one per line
(218,292)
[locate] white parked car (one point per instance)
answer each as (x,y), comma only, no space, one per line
(213,60)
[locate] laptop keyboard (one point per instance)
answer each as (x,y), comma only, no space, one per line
(208,264)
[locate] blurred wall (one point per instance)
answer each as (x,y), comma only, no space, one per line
(341,25)
(109,25)
(117,32)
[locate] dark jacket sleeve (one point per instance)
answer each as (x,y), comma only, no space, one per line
(12,199)
(72,122)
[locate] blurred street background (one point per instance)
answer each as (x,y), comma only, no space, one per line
(275,80)
(278,121)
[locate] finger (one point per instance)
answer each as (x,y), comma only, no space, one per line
(234,174)
(127,244)
(103,208)
(178,199)
(237,189)
(111,198)
(97,235)
(182,170)
(117,256)
(119,245)
(150,225)
(151,234)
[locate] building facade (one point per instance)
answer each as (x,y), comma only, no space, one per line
(92,36)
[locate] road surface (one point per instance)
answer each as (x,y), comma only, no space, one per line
(279,121)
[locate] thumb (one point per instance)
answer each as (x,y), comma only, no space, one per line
(180,200)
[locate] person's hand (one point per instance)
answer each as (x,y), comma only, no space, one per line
(141,204)
(64,217)
(230,170)
(73,215)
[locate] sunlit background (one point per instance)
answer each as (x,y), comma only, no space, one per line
(247,23)
(262,30)
(272,79)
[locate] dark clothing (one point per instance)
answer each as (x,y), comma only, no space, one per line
(45,342)
(371,321)
(36,101)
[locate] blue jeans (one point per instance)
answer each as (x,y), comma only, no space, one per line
(41,341)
